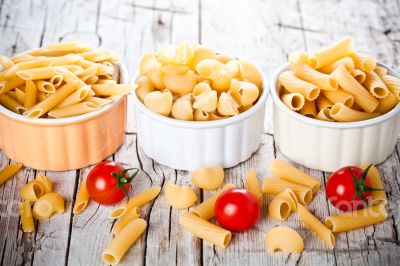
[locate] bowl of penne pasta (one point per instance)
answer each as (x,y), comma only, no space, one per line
(195,107)
(62,106)
(335,107)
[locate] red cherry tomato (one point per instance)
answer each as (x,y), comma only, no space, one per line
(237,210)
(349,188)
(108,182)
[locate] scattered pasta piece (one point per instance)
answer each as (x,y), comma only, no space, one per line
(208,178)
(124,220)
(48,205)
(282,205)
(284,239)
(38,187)
(27,222)
(379,196)
(253,186)
(82,198)
(9,171)
(275,186)
(179,197)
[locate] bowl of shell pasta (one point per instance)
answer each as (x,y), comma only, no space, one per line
(336,106)
(62,106)
(195,107)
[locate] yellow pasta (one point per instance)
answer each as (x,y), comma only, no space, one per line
(138,200)
(381,71)
(144,87)
(346,61)
(159,102)
(180,83)
(379,196)
(364,62)
(331,53)
(206,101)
(215,71)
(356,219)
(298,58)
(216,116)
(325,115)
(309,109)
(179,197)
(386,104)
(294,101)
(6,62)
(32,191)
(30,94)
(322,102)
(11,104)
(323,81)
(208,178)
(245,93)
(72,46)
(47,205)
(123,241)
(37,73)
(10,84)
(284,239)
(100,102)
(20,96)
(275,186)
(289,173)
(339,96)
(27,222)
(200,115)
(123,221)
(90,79)
(316,226)
(112,89)
(359,75)
(249,72)
(57,80)
(342,113)
(180,55)
(77,96)
(294,84)
(393,84)
(44,182)
(282,205)
(205,210)
(227,105)
(205,230)
(182,108)
(45,86)
(361,96)
(223,58)
(253,185)
(150,67)
(9,171)
(82,198)
(375,85)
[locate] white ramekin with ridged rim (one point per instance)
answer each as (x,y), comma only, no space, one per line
(186,145)
(328,146)
(62,144)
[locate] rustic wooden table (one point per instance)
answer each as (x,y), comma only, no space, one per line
(262,31)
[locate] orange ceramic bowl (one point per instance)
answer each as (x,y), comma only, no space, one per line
(65,143)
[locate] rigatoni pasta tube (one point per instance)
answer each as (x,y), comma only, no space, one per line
(136,201)
(294,84)
(284,239)
(253,185)
(356,219)
(27,222)
(309,109)
(316,226)
(381,71)
(82,198)
(331,53)
(129,216)
(282,205)
(298,57)
(9,171)
(363,61)
(205,230)
(393,84)
(386,104)
(361,96)
(342,113)
(376,182)
(359,75)
(205,210)
(275,186)
(322,102)
(294,101)
(47,205)
(346,61)
(339,96)
(309,74)
(325,115)
(289,173)
(123,241)
(375,85)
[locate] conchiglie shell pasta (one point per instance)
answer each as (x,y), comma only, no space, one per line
(201,88)
(180,83)
(232,67)
(200,115)
(150,67)
(227,105)
(223,58)
(246,93)
(182,108)
(144,87)
(159,102)
(201,53)
(179,197)
(284,239)
(208,178)
(206,101)
(181,55)
(249,72)
(48,205)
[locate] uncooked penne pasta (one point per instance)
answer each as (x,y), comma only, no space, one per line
(386,104)
(285,171)
(136,201)
(124,220)
(346,61)
(10,84)
(179,197)
(91,70)
(11,104)
(47,205)
(253,185)
(100,102)
(339,96)
(123,241)
(379,196)
(282,205)
(309,109)
(393,84)
(45,86)
(381,71)
(57,80)
(294,101)
(331,53)
(322,102)
(73,110)
(90,79)
(37,73)
(20,96)
(363,61)
(9,171)
(359,75)
(45,183)
(361,96)
(77,96)
(205,210)
(316,226)
(113,89)
(356,219)
(82,198)
(375,85)
(30,94)
(208,178)
(323,81)
(6,62)
(275,186)
(27,222)
(205,230)
(325,115)
(294,84)
(284,239)
(342,113)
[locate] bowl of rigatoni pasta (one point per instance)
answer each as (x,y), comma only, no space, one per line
(336,107)
(62,106)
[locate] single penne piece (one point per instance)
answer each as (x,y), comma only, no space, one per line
(331,53)
(275,186)
(381,71)
(285,171)
(375,85)
(112,90)
(45,86)
(30,94)
(295,101)
(284,239)
(123,241)
(90,79)
(136,201)
(82,198)
(89,71)
(356,219)
(69,77)
(342,113)
(20,96)
(70,46)
(282,205)
(73,110)
(309,109)
(359,75)
(339,96)
(253,185)
(179,197)
(316,226)
(322,102)
(53,100)
(323,81)
(361,96)
(37,73)
(77,96)
(294,84)
(57,80)
(32,191)
(47,205)
(22,58)
(6,62)
(41,96)
(100,102)
(130,215)
(107,81)
(386,104)
(27,222)
(95,56)
(205,210)
(44,182)
(346,61)
(325,115)
(208,178)
(379,196)
(298,58)
(393,84)
(10,84)
(11,104)
(9,171)
(363,61)
(205,230)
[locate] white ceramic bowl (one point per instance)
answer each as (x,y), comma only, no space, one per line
(328,146)
(186,145)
